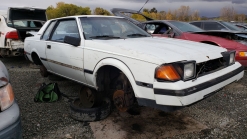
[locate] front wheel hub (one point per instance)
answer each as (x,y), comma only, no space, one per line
(119,100)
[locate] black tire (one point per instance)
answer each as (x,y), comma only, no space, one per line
(43,71)
(96,113)
(96,97)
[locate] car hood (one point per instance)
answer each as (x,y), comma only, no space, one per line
(231,35)
(4,76)
(223,42)
(157,50)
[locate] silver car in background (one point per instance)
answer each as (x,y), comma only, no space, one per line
(10,121)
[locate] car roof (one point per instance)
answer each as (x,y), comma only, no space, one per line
(77,16)
(206,21)
(26,8)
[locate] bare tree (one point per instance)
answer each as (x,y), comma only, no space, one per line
(195,16)
(162,15)
(228,13)
(240,18)
(183,13)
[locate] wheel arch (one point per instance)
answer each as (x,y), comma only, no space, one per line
(35,57)
(120,65)
(210,42)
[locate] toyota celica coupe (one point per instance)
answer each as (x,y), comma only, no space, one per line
(117,59)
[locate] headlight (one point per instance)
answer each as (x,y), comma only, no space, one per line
(184,70)
(229,57)
(232,58)
(6,97)
(187,69)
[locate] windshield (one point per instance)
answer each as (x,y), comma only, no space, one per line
(110,28)
(230,26)
(26,24)
(185,27)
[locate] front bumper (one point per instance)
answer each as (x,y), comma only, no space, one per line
(10,124)
(185,93)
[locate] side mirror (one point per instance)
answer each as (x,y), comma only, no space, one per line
(72,40)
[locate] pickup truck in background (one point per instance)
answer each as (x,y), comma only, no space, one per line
(15,25)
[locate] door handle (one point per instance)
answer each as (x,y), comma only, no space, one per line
(48,46)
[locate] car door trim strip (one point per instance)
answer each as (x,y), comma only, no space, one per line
(62,64)
(88,71)
(197,88)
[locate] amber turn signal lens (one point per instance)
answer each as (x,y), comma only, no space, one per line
(167,72)
(243,54)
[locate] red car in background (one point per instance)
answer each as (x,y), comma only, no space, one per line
(185,31)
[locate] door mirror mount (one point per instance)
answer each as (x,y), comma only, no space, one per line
(72,40)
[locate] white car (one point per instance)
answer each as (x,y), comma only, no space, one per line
(122,61)
(17,24)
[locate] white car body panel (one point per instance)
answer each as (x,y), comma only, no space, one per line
(186,100)
(70,56)
(137,58)
(9,47)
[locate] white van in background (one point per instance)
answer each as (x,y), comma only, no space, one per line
(15,25)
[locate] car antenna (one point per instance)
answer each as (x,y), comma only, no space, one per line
(143,6)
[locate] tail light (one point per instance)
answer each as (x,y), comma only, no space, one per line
(12,35)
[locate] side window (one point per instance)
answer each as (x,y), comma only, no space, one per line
(213,26)
(198,24)
(160,29)
(48,31)
(65,28)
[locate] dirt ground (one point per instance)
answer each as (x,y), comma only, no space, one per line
(222,115)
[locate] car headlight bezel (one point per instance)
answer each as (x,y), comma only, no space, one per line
(229,57)
(184,68)
(179,70)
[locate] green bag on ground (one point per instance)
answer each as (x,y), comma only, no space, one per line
(47,93)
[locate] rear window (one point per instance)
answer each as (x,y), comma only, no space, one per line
(26,24)
(230,26)
(213,26)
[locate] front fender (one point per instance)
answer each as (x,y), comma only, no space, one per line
(91,79)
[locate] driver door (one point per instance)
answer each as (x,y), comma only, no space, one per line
(65,59)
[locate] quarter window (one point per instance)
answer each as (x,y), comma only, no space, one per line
(198,24)
(65,28)
(48,31)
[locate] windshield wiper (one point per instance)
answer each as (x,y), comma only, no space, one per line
(137,35)
(105,36)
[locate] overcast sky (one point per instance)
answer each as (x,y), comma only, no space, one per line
(209,8)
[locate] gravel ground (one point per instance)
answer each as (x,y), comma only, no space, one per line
(224,113)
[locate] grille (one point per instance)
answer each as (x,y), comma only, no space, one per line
(210,66)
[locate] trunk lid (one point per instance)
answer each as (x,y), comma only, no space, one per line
(25,20)
(26,13)
(124,13)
